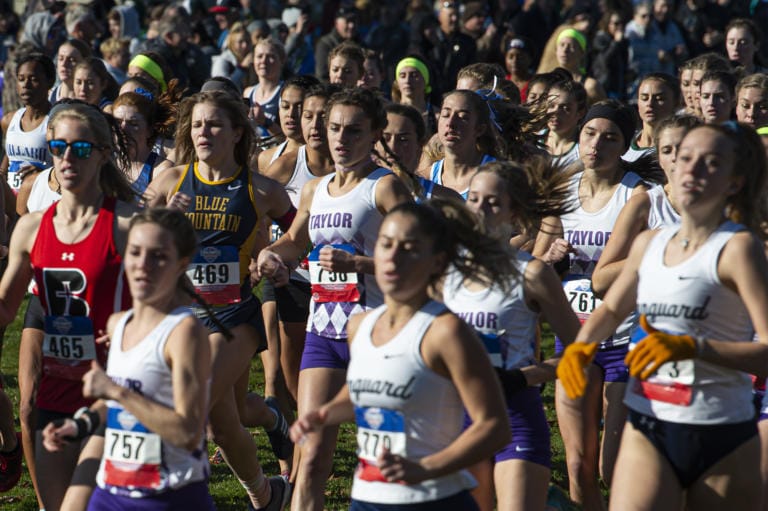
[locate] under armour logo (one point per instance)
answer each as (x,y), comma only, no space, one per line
(67,256)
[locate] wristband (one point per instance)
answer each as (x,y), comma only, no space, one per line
(512,380)
(86,421)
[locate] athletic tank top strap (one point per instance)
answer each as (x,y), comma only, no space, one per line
(301,176)
(661,213)
(146,174)
(427,188)
(436,175)
(278,151)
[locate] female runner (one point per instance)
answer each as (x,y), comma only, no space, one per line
(268,60)
(226,201)
(511,198)
(291,101)
(412,87)
(467,135)
(691,423)
(657,98)
(400,149)
(600,191)
(142,121)
(24,129)
(153,397)
(566,105)
(571,55)
(73,250)
(650,210)
(415,367)
(71,53)
(93,84)
(339,214)
(293,170)
(752,100)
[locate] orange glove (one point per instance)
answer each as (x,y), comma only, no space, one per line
(656,349)
(571,369)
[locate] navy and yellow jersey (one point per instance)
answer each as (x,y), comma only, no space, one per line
(226,219)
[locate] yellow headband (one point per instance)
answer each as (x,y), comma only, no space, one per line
(420,67)
(150,66)
(573,34)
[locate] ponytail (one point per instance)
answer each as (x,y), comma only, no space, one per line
(455,231)
(187,288)
(536,189)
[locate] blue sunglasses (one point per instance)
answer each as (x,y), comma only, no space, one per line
(81,149)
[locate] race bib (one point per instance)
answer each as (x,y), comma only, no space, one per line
(329,286)
(274,232)
(132,453)
(14,180)
(68,346)
(378,429)
(580,296)
(14,174)
(215,274)
(492,343)
(672,382)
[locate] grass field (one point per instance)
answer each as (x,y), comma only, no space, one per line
(227,493)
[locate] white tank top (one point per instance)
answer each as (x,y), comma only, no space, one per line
(351,220)
(25,148)
(692,300)
(137,462)
(503,321)
(588,233)
(661,214)
(301,176)
(41,196)
(402,404)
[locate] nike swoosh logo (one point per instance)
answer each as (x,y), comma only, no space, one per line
(523,449)
(232,188)
(394,355)
(687,277)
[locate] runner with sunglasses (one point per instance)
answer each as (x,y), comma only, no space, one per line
(73,250)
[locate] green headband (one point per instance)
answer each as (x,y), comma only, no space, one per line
(150,66)
(420,67)
(573,34)
(762,131)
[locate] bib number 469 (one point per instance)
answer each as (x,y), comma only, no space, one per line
(210,274)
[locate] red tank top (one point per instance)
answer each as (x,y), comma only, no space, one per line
(80,286)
